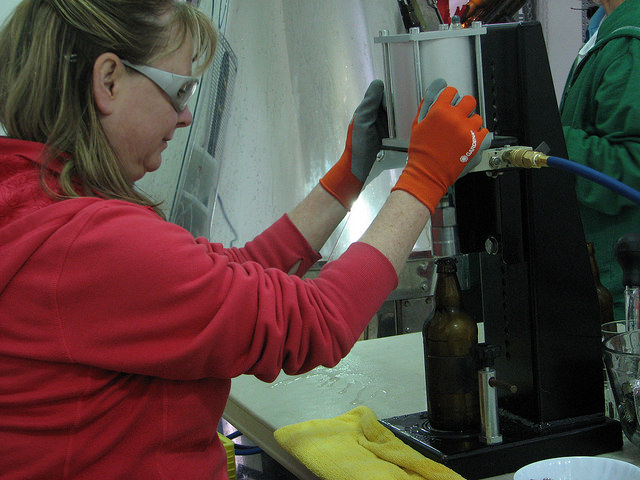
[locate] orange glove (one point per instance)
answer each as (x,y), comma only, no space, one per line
(444,138)
(364,140)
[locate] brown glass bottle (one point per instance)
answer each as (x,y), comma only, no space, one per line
(604,295)
(451,369)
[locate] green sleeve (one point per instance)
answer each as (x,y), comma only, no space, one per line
(610,141)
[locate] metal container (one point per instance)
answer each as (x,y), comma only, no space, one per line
(412,61)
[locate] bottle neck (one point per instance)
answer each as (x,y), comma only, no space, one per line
(447,294)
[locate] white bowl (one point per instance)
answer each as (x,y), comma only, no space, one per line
(578,468)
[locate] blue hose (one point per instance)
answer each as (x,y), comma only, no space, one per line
(596,176)
(243,449)
(248,451)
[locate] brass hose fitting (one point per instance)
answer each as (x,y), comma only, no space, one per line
(524,158)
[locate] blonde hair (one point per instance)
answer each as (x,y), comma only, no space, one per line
(48,49)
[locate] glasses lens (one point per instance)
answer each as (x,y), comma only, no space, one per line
(184,93)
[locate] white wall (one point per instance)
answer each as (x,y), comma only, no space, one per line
(562,26)
(6,7)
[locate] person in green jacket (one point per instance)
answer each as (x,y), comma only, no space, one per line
(600,113)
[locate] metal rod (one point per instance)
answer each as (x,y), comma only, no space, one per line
(388,86)
(480,75)
(416,61)
(490,428)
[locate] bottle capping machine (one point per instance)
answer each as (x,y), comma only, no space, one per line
(529,277)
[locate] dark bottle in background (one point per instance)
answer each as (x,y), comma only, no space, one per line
(604,295)
(451,367)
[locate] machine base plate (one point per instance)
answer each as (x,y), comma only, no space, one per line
(522,443)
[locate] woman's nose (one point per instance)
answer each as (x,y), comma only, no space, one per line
(185,118)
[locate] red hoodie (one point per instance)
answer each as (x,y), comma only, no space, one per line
(120,332)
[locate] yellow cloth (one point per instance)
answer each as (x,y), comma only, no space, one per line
(356,446)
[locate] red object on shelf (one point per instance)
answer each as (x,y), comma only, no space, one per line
(443,7)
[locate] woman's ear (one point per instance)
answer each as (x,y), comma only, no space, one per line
(108,72)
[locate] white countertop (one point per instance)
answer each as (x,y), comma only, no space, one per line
(385,374)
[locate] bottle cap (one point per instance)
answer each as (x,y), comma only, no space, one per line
(446,265)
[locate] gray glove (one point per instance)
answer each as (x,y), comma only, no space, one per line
(433,92)
(370,126)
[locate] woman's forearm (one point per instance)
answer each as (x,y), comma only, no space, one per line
(397,226)
(394,231)
(317,216)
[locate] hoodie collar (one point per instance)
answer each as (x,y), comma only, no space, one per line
(33,151)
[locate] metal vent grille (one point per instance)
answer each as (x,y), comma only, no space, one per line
(196,195)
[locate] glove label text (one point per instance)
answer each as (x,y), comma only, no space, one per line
(465,158)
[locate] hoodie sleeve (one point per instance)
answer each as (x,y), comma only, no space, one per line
(602,123)
(281,246)
(140,295)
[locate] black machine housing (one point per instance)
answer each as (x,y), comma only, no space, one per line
(535,292)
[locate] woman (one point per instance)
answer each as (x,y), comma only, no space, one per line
(599,112)
(120,331)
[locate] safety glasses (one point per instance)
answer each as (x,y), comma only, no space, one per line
(178,87)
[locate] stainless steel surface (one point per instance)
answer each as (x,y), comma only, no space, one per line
(303,67)
(490,427)
(444,229)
